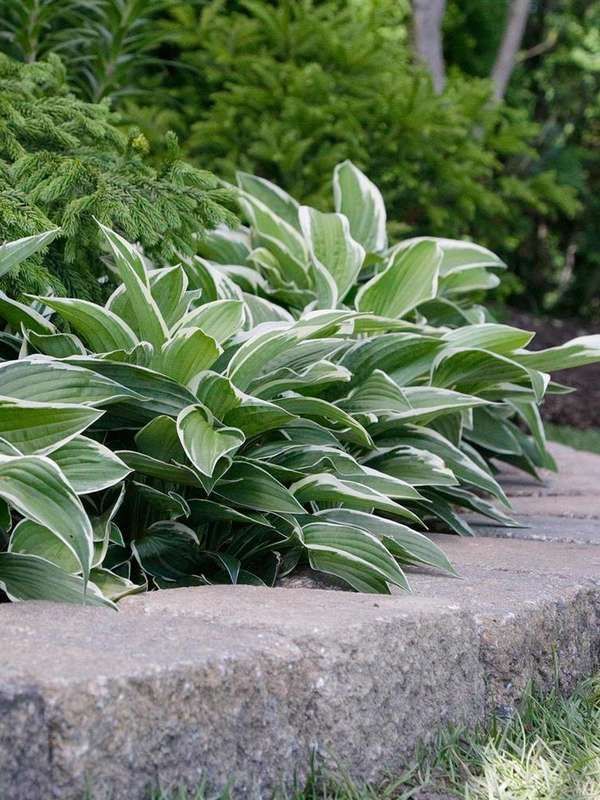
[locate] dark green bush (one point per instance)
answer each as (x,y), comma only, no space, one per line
(64,162)
(287,90)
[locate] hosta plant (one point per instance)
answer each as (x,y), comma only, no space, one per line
(431,369)
(180,435)
(302,394)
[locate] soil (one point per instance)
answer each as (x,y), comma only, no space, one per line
(581,409)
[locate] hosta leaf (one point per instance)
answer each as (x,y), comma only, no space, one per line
(160,439)
(166,505)
(489,336)
(17,314)
(88,465)
(225,246)
(246,484)
(410,278)
(167,550)
(26,577)
(42,427)
(207,511)
(332,247)
(100,328)
(465,468)
(57,345)
(159,393)
(256,416)
(353,544)
(168,288)
(380,395)
(410,547)
(113,586)
(38,378)
(404,356)
(13,253)
(326,488)
(187,354)
(204,440)
(217,393)
(457,255)
(575,353)
(328,415)
(259,310)
(494,433)
(360,200)
(29,538)
(220,319)
(38,490)
(132,272)
(471,370)
(252,357)
(312,379)
(280,202)
(270,226)
(470,280)
(417,467)
(155,468)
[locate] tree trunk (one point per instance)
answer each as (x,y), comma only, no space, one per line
(428,16)
(509,47)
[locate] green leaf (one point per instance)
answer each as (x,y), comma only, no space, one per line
(160,439)
(156,468)
(100,328)
(409,279)
(252,357)
(38,378)
(13,253)
(88,465)
(326,488)
(168,550)
(38,490)
(187,354)
(332,247)
(42,427)
(29,538)
(457,255)
(361,202)
(353,544)
(280,202)
(489,336)
(56,345)
(26,577)
(204,440)
(220,319)
(17,314)
(575,353)
(328,415)
(132,272)
(255,416)
(113,586)
(159,393)
(472,370)
(415,466)
(225,246)
(380,395)
(246,484)
(406,545)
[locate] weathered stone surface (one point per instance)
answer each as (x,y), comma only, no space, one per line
(542,528)
(578,474)
(235,683)
(243,684)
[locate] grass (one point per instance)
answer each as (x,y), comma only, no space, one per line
(574,437)
(550,750)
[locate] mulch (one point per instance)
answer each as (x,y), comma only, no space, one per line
(581,409)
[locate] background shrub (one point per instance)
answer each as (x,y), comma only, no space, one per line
(64,162)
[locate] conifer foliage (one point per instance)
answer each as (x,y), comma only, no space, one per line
(65,163)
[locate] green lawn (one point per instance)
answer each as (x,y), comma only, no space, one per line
(574,437)
(549,751)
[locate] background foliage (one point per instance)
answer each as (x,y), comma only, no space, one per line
(65,162)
